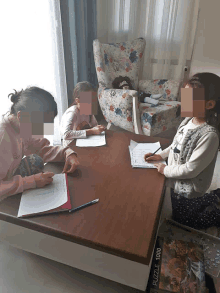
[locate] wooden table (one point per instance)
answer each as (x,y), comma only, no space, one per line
(114,238)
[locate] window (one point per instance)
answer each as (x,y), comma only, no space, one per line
(30,51)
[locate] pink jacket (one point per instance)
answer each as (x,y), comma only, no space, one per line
(12,150)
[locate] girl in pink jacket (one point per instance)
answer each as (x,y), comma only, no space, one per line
(21,134)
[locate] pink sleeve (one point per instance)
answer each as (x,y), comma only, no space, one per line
(16,185)
(42,148)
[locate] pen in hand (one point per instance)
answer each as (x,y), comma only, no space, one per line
(153,153)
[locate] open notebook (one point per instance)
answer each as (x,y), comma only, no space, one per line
(52,197)
(92,141)
(138,150)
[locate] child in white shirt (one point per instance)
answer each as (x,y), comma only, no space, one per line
(75,125)
(191,159)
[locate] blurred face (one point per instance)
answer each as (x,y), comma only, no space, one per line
(87,103)
(36,124)
(193,102)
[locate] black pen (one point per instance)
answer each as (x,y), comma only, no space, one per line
(85,205)
(154,152)
(62,211)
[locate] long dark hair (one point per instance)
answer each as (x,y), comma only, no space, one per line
(32,99)
(211,84)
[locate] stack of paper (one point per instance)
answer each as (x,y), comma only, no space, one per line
(138,150)
(92,141)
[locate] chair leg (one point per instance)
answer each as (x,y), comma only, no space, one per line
(109,125)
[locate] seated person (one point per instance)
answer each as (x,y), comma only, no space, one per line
(193,154)
(21,134)
(76,123)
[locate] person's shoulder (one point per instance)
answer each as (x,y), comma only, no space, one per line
(5,138)
(4,123)
(210,137)
(72,109)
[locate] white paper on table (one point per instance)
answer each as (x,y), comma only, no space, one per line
(92,141)
(137,154)
(133,144)
(44,199)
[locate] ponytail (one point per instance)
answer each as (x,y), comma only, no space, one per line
(15,97)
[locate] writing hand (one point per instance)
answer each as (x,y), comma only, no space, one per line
(43,179)
(98,129)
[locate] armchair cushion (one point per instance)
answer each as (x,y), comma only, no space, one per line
(156,119)
(168,88)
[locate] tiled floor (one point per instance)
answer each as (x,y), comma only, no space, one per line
(24,272)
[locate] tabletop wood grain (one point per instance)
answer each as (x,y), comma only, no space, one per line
(124,221)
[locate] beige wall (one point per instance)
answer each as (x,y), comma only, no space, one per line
(206,56)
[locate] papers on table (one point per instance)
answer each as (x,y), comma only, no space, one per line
(44,199)
(138,150)
(92,141)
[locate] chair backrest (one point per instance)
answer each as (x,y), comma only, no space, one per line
(168,87)
(115,59)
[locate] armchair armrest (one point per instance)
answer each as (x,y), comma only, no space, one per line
(120,102)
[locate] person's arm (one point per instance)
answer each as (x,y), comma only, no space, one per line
(165,153)
(201,157)
(16,184)
(69,119)
(42,148)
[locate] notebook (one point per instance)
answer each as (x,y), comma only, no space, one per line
(137,152)
(92,141)
(52,197)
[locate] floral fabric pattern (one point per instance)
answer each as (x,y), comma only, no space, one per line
(156,119)
(116,106)
(169,88)
(113,60)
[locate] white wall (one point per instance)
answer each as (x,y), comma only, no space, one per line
(206,57)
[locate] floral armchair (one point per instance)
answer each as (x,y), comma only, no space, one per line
(167,114)
(121,107)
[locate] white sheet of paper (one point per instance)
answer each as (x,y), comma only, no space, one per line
(44,199)
(92,141)
(138,150)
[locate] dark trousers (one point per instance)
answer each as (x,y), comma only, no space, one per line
(194,212)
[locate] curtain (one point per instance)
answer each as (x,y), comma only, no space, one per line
(58,67)
(79,30)
(168,26)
